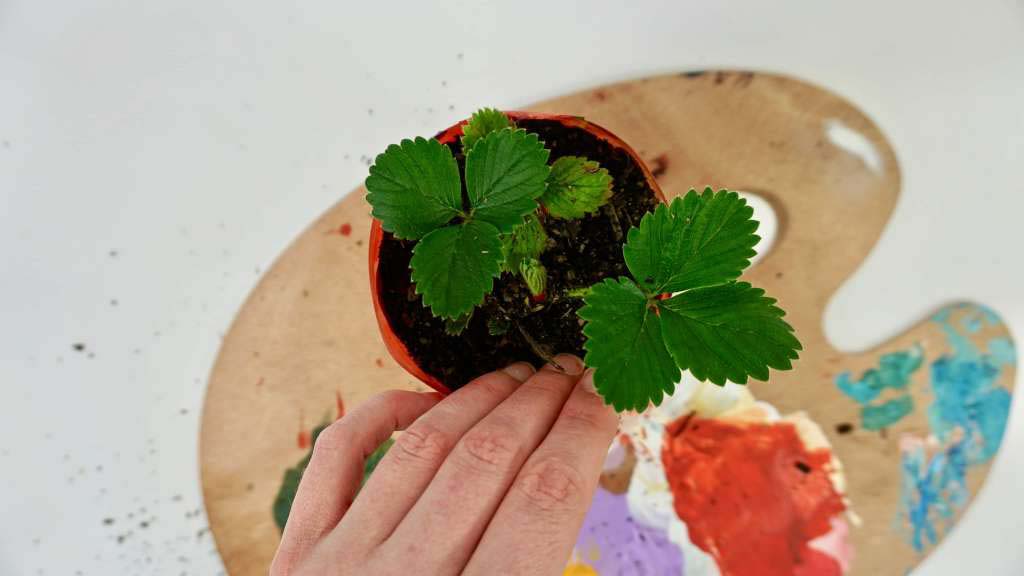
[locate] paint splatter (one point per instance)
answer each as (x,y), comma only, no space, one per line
(575,568)
(967,394)
(611,541)
(305,438)
(894,372)
(752,495)
(343,230)
(933,487)
(659,165)
(339,404)
(881,416)
(967,418)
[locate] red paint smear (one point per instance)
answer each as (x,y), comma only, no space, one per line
(305,438)
(752,496)
(260,381)
(339,403)
(343,230)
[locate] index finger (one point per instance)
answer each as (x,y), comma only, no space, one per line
(536,524)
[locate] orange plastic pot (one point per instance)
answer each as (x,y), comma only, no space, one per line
(395,346)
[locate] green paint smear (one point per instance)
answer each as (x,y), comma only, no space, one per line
(293,476)
(887,413)
(894,371)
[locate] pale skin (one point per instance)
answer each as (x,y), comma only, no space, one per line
(494,479)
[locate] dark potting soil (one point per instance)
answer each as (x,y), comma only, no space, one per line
(580,253)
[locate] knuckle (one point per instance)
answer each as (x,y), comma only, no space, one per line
(552,386)
(489,448)
(421,445)
(587,418)
(335,437)
(551,485)
(493,387)
(387,400)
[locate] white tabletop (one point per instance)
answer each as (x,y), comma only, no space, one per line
(156,156)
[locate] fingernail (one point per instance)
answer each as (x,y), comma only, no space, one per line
(588,381)
(521,371)
(566,363)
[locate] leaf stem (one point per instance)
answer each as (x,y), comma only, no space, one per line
(537,348)
(613,215)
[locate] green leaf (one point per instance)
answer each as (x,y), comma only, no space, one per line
(414,188)
(700,240)
(454,267)
(528,240)
(578,292)
(505,174)
(497,326)
(576,187)
(727,332)
(455,326)
(290,484)
(293,476)
(624,344)
(535,275)
(483,122)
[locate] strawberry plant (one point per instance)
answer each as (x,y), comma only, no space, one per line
(497,208)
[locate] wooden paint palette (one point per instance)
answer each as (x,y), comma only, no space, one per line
(913,424)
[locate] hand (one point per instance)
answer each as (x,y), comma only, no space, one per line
(493,479)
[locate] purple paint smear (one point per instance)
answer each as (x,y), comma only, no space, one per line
(613,543)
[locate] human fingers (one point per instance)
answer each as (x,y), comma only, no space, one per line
(444,526)
(535,526)
(410,464)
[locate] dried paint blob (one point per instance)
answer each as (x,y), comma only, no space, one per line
(752,495)
(716,483)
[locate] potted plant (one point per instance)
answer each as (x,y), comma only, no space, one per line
(514,236)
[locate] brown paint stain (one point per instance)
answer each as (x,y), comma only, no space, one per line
(379,362)
(601,95)
(743,79)
(617,479)
(260,381)
(844,428)
(659,165)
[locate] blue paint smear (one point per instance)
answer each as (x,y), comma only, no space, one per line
(972,324)
(887,413)
(967,417)
(894,371)
(967,398)
(1002,352)
(932,491)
